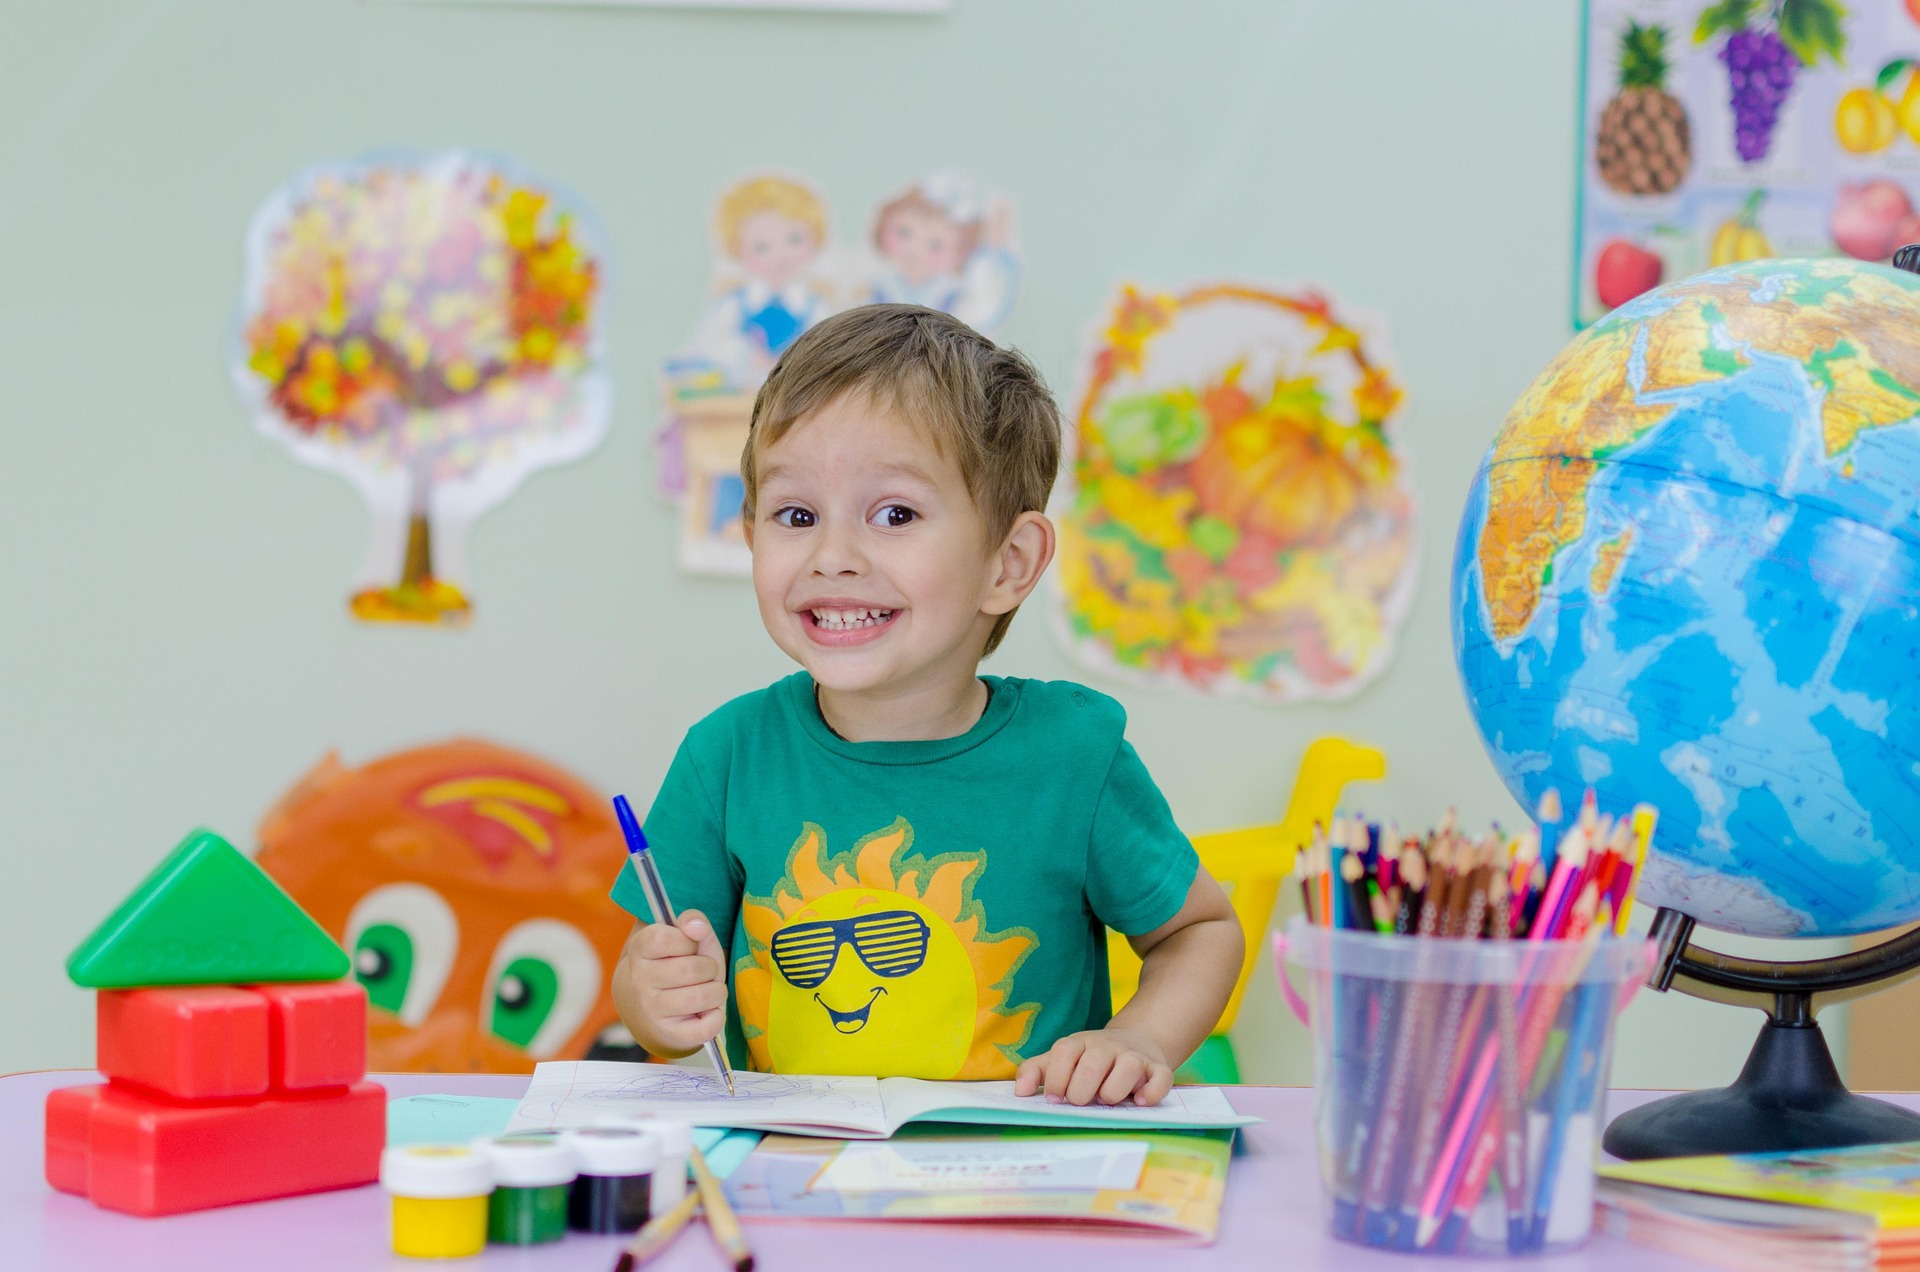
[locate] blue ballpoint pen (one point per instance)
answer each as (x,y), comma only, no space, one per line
(656,891)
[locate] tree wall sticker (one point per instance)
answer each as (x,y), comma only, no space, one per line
(429,328)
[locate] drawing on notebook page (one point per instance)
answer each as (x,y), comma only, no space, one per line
(669,1083)
(584,1092)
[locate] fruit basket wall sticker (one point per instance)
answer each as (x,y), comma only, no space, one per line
(429,328)
(1238,516)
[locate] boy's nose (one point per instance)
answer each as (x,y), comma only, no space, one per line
(837,551)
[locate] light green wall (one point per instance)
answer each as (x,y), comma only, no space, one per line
(175,648)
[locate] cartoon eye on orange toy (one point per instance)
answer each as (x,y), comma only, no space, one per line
(469,884)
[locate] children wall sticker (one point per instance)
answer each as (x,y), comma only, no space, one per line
(468,883)
(943,241)
(428,327)
(1236,516)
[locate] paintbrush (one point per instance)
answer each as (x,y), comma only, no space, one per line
(657,1235)
(721,1220)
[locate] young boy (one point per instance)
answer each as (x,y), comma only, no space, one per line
(907,867)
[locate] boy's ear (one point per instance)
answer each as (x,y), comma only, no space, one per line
(1022,558)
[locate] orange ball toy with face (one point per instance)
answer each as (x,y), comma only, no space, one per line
(469,884)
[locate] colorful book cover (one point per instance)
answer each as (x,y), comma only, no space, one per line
(1178,1194)
(1880,1180)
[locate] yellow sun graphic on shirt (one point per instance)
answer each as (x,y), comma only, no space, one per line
(877,961)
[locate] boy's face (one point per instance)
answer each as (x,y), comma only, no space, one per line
(870,559)
(921,245)
(775,249)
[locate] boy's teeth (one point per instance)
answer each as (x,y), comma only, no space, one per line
(844,619)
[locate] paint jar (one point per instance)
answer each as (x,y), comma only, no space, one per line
(439,1199)
(531,1174)
(676,1146)
(614,1190)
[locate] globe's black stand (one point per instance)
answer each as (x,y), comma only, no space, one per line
(1789,1096)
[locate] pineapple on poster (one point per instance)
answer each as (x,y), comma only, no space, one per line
(1718,131)
(427,326)
(1238,516)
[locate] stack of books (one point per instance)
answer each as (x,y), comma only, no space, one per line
(1839,1208)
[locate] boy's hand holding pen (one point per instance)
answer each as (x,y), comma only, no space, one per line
(673,973)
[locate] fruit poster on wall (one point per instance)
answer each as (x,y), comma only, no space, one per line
(1717,131)
(1239,518)
(943,242)
(429,328)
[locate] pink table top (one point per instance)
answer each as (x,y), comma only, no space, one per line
(1272,1217)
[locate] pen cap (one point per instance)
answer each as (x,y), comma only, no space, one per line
(436,1171)
(629,824)
(614,1150)
(535,1159)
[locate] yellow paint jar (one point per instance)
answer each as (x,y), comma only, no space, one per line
(439,1199)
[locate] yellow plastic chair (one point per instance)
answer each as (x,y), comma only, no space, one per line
(1250,864)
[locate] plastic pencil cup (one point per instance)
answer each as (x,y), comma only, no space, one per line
(1458,1084)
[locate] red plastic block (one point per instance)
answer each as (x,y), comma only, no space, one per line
(69,1126)
(193,1043)
(146,1156)
(317,1034)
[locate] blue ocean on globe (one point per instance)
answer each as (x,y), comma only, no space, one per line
(1728,629)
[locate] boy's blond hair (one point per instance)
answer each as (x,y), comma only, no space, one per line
(984,405)
(767,194)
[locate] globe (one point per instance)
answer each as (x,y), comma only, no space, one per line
(1688,573)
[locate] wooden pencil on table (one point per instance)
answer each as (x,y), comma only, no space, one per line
(724,1224)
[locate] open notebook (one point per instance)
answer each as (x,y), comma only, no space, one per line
(581,1093)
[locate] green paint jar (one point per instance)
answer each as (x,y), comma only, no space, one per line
(531,1175)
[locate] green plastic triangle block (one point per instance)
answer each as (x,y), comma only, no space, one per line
(206,916)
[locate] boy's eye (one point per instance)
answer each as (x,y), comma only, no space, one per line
(893,516)
(794,518)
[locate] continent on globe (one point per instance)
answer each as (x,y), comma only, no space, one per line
(1689,573)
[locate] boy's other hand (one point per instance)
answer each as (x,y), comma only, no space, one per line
(678,980)
(1103,1066)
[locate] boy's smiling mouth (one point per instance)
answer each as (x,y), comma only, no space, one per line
(842,624)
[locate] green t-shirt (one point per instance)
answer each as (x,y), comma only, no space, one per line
(929,909)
